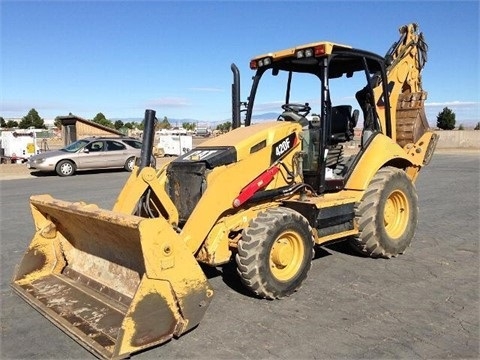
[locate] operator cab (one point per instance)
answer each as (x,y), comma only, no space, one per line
(337,80)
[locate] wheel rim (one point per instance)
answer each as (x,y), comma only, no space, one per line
(286,256)
(66,169)
(130,164)
(396,214)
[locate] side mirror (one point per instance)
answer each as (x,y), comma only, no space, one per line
(85,150)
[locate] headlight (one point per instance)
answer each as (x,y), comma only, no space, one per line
(308,52)
(39,161)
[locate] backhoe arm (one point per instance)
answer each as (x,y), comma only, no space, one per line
(405,61)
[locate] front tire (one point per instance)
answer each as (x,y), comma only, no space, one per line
(387,215)
(275,253)
(65,168)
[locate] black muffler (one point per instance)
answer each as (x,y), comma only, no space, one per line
(147,139)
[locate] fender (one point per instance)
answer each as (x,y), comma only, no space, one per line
(380,151)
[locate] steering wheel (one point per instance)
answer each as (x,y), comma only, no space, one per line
(302,109)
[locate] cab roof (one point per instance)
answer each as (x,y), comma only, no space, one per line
(305,59)
(277,55)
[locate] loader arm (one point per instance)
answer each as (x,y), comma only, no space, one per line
(136,187)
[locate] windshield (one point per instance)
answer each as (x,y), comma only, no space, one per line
(276,89)
(75,146)
(299,82)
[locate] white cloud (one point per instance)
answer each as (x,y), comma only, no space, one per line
(452,103)
(466,112)
(12,106)
(20,108)
(277,105)
(173,102)
(270,106)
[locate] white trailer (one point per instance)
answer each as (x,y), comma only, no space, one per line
(175,145)
(18,145)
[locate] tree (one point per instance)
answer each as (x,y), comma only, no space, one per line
(446,119)
(2,122)
(164,124)
(102,120)
(57,122)
(225,127)
(32,119)
(119,124)
(477,127)
(12,124)
(188,126)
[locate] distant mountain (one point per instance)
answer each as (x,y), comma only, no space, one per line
(266,116)
(127,120)
(174,122)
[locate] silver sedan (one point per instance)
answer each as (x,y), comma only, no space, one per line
(87,154)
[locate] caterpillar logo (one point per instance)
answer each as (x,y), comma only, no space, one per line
(283,146)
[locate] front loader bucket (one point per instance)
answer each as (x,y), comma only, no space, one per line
(116,283)
(411,119)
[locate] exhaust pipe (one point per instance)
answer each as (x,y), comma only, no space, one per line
(236,122)
(147,139)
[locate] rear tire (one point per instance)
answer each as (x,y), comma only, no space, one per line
(65,168)
(387,215)
(275,253)
(130,164)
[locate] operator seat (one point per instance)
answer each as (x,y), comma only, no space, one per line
(364,98)
(343,124)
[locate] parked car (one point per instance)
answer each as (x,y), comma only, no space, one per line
(89,153)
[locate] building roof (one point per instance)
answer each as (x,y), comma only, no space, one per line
(71,119)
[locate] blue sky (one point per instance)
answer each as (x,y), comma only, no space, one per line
(122,57)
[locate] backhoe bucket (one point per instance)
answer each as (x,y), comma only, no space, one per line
(116,283)
(411,119)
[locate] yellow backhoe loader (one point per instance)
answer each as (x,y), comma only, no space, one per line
(262,196)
